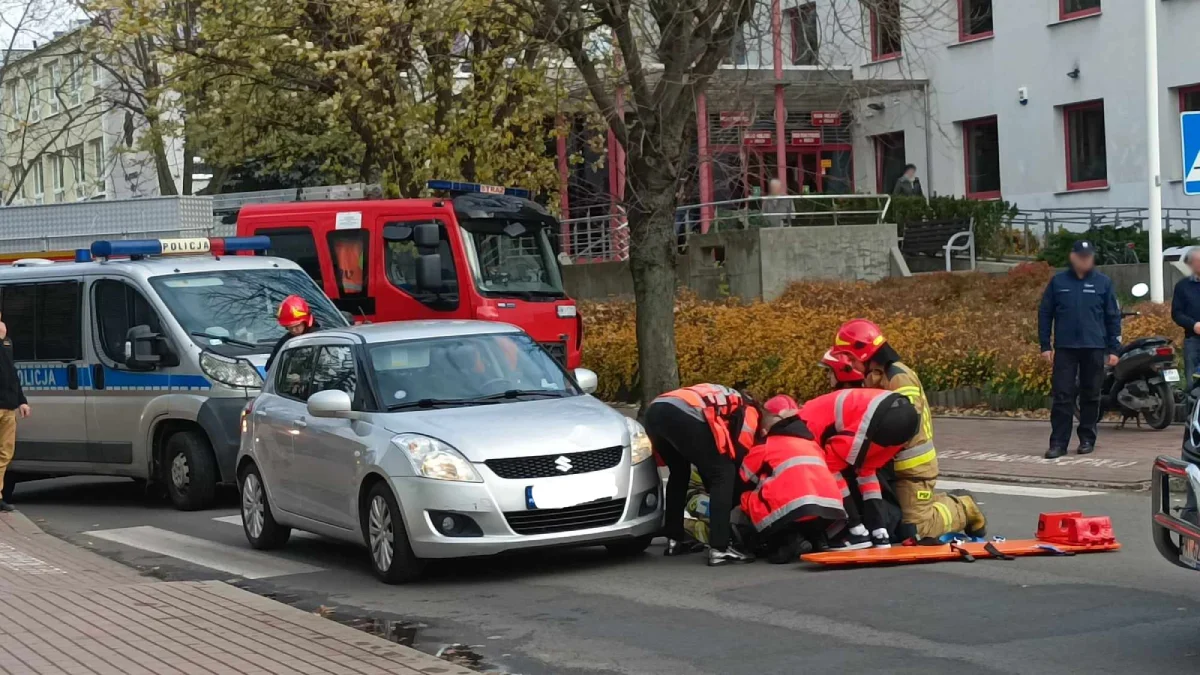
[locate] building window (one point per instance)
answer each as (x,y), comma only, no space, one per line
(54,76)
(737,49)
(802,26)
(1073,9)
(1189,98)
(981,150)
(33,97)
(885,29)
(1087,159)
(58,167)
(75,80)
(39,181)
(889,161)
(96,153)
(974,19)
(17,105)
(78,171)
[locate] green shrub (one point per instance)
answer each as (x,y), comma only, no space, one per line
(1111,242)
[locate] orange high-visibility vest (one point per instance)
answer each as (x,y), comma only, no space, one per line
(734,424)
(350,264)
(839,421)
(789,479)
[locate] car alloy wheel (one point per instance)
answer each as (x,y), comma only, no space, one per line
(180,473)
(379,528)
(252,505)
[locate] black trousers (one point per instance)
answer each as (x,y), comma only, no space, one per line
(683,442)
(1078,374)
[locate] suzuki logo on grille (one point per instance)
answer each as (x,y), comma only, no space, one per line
(563,464)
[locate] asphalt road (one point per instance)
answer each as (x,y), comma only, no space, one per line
(584,612)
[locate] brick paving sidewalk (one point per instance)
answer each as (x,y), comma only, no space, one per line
(1011,450)
(65,610)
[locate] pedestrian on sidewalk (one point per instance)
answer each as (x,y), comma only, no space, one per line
(1079,308)
(1185,310)
(12,406)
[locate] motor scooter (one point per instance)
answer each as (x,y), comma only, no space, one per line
(1143,383)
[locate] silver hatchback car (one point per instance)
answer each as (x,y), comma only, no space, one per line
(440,439)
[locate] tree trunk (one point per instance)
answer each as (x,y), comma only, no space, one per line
(652,263)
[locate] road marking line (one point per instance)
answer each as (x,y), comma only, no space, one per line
(1021,490)
(236,519)
(242,562)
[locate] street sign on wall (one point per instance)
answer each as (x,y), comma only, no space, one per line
(1189,124)
(757,138)
(734,118)
(806,138)
(826,118)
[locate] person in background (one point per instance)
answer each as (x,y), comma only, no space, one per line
(908,185)
(776,207)
(297,318)
(1185,310)
(12,406)
(1080,309)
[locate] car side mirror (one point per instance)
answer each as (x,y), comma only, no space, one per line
(429,273)
(333,403)
(140,348)
(586,380)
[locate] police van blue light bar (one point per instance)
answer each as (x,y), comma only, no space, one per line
(190,246)
(463,188)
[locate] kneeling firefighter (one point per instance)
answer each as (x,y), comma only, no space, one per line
(792,497)
(926,513)
(711,427)
(861,430)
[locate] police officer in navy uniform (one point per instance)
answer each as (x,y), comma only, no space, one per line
(1080,309)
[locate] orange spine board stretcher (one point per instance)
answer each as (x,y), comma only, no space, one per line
(904,555)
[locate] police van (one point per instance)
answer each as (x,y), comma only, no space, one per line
(139,357)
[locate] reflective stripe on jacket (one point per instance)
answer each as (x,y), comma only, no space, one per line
(839,421)
(789,480)
(734,424)
(903,380)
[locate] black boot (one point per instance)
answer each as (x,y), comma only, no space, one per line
(1055,452)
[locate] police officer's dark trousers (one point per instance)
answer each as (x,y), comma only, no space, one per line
(1078,374)
(683,441)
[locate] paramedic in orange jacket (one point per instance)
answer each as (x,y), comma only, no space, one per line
(711,427)
(930,513)
(792,495)
(861,430)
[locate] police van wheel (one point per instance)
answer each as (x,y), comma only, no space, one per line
(189,471)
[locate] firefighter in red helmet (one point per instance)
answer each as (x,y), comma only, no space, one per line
(842,371)
(297,318)
(932,514)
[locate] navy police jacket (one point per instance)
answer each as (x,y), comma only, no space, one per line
(1082,313)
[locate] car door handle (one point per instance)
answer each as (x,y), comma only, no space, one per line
(299,424)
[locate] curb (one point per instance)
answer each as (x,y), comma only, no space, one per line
(1133,486)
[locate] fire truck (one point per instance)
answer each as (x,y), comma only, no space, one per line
(480,252)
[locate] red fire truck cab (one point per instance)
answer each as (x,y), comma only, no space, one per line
(474,256)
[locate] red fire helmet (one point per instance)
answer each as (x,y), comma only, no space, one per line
(858,338)
(842,367)
(293,311)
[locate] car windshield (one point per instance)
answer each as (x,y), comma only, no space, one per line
(240,305)
(512,258)
(466,369)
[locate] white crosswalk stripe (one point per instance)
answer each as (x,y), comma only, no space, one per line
(1011,489)
(240,561)
(236,519)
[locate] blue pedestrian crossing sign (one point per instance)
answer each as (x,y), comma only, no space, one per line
(1189,123)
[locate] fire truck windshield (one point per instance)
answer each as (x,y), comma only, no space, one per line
(512,258)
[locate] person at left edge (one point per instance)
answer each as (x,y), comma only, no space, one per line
(1079,310)
(12,406)
(296,318)
(711,427)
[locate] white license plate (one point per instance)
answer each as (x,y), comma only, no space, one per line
(1189,552)
(567,491)
(1171,375)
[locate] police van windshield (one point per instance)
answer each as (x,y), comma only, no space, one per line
(512,258)
(240,305)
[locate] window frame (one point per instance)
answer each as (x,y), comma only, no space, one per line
(97,326)
(98,159)
(1070,162)
(54,75)
(357,397)
(1183,92)
(439,302)
(878,56)
(967,127)
(58,175)
(284,360)
(1064,15)
(288,230)
(963,35)
(795,16)
(877,142)
(39,180)
(39,311)
(33,96)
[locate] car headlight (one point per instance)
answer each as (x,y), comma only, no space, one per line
(434,459)
(229,371)
(640,449)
